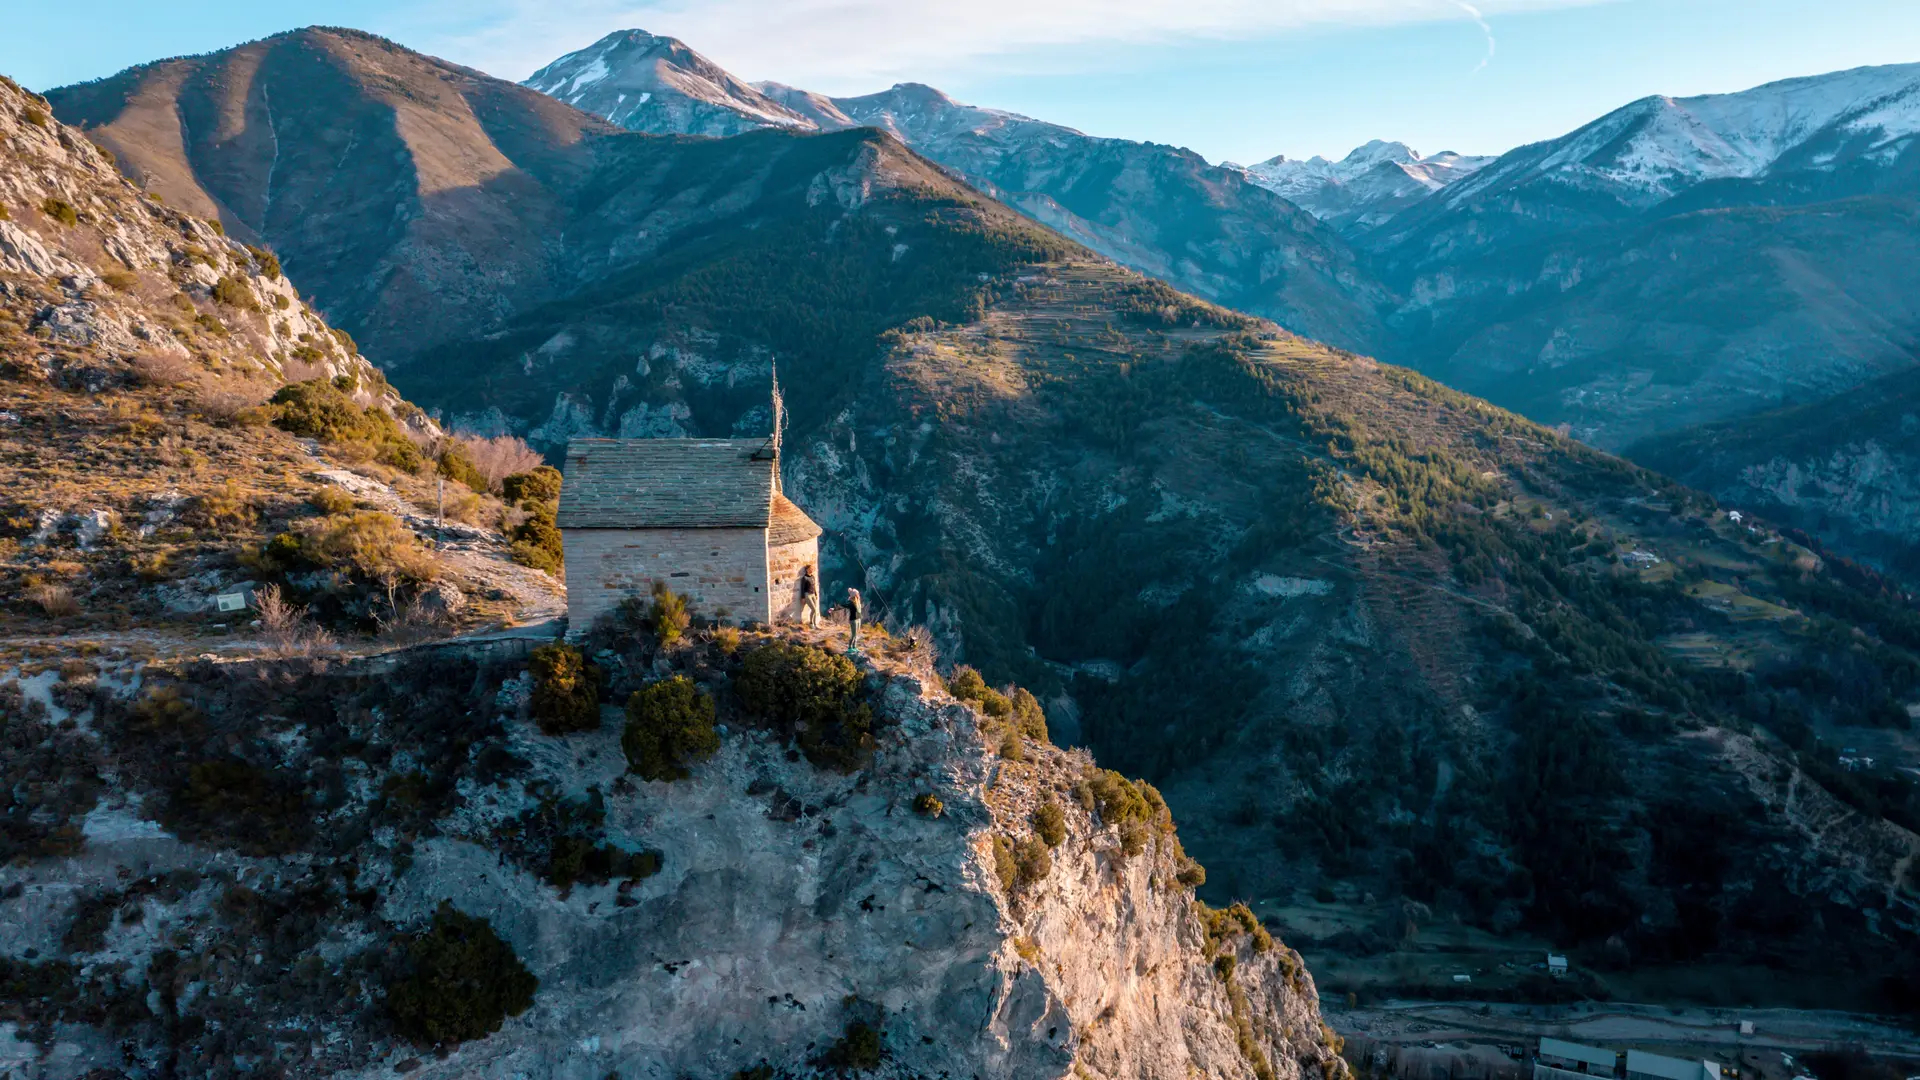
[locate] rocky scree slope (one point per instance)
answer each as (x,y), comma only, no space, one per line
(1159,209)
(138,349)
(293,828)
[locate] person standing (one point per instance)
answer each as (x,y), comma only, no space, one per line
(853,620)
(809,598)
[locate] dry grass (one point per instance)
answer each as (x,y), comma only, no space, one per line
(159,369)
(55,601)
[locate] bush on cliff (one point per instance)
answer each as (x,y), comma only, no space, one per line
(813,696)
(461,982)
(566,690)
(669,727)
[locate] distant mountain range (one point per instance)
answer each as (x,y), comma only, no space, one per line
(1677,262)
(1367,187)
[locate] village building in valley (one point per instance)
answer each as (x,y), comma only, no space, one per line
(703,517)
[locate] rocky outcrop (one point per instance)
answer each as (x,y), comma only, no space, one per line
(792,902)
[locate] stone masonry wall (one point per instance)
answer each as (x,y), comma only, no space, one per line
(721,572)
(783,574)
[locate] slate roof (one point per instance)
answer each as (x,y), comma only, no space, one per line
(1641,1063)
(791,525)
(1571,1051)
(667,483)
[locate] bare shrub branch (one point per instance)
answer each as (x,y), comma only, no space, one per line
(164,369)
(285,626)
(500,457)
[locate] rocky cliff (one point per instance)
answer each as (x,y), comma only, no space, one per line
(791,918)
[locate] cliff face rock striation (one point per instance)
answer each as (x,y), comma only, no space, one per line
(965,899)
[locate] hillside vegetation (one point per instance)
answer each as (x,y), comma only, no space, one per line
(174,420)
(1369,632)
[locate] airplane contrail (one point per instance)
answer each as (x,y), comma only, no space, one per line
(1481,21)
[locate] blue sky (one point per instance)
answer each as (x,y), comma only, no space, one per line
(1233,79)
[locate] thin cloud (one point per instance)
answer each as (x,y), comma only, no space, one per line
(845,46)
(1481,20)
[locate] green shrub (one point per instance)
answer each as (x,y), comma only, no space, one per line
(668,617)
(813,696)
(858,1050)
(461,982)
(60,210)
(318,409)
(566,690)
(1032,860)
(542,485)
(232,291)
(1191,874)
(669,726)
(579,859)
(268,262)
(331,500)
(928,804)
(366,545)
(34,116)
(234,802)
(564,841)
(454,464)
(1222,925)
(1051,823)
(1011,747)
(537,542)
(1005,866)
(967,685)
(1028,716)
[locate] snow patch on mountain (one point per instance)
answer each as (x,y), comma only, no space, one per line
(657,84)
(1656,147)
(1364,188)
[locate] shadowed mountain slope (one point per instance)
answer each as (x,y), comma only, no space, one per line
(1159,209)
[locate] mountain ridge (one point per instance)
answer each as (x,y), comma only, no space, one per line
(1160,209)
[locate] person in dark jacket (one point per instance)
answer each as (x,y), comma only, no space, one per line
(853,620)
(809,598)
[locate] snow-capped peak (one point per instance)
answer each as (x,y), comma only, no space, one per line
(1361,189)
(654,83)
(1657,147)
